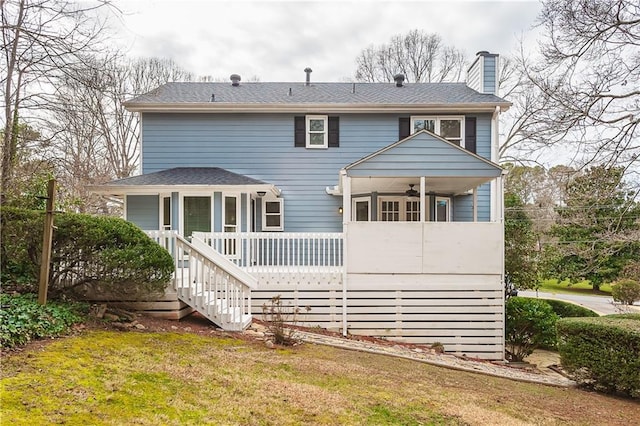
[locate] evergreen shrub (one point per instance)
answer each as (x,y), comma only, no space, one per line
(530,324)
(89,253)
(602,353)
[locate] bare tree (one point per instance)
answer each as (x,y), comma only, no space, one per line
(109,84)
(97,139)
(41,41)
(585,89)
(420,56)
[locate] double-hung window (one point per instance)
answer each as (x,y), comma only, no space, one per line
(272,215)
(317,134)
(450,128)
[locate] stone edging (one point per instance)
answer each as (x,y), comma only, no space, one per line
(440,360)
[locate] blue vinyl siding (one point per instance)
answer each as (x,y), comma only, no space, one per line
(175,211)
(423,155)
(489,78)
(262,146)
(244,226)
(144,211)
(483,135)
(217,212)
(463,206)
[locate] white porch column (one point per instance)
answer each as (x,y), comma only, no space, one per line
(346,201)
(346,218)
(500,187)
(475,204)
(423,217)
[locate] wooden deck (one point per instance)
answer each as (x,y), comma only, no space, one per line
(413,289)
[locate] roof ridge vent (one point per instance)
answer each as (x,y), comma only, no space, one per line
(399,79)
(235,80)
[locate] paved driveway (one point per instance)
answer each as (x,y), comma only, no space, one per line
(600,304)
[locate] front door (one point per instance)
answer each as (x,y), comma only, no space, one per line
(197,215)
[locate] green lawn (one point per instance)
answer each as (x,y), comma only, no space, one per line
(115,378)
(583,288)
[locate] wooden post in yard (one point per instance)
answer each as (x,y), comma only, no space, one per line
(46,243)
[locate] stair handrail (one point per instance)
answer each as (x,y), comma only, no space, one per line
(228,266)
(231,288)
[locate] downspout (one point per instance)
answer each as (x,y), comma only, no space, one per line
(494,158)
(497,209)
(346,217)
(502,277)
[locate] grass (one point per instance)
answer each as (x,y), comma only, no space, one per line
(109,378)
(583,288)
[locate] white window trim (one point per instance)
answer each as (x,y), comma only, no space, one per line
(356,200)
(308,131)
(162,196)
(435,210)
(403,206)
(264,214)
(238,210)
(381,199)
(437,119)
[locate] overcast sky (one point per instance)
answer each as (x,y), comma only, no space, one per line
(275,41)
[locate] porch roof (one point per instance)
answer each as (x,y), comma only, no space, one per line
(447,167)
(184,178)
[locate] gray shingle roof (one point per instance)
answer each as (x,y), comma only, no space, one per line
(188,176)
(316,93)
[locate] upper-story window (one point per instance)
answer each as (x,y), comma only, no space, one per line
(317,134)
(316,131)
(450,128)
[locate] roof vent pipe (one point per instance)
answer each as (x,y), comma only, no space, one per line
(399,79)
(235,80)
(308,71)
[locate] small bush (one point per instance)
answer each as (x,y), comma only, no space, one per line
(530,323)
(23,319)
(569,310)
(626,291)
(277,316)
(602,353)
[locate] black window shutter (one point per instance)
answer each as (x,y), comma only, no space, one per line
(334,132)
(404,127)
(300,137)
(470,134)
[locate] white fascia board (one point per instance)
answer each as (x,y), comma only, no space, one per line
(152,189)
(317,108)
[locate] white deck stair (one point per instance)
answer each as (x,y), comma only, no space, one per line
(208,282)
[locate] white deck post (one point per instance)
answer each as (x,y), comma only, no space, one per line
(423,216)
(346,218)
(475,204)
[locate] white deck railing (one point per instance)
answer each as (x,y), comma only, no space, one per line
(279,251)
(208,282)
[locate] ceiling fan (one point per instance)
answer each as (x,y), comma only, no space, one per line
(411,192)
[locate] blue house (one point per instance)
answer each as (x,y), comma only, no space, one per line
(377,205)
